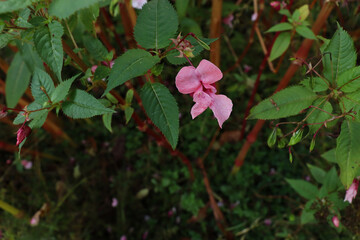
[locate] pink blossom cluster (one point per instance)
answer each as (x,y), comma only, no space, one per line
(199,83)
(183,46)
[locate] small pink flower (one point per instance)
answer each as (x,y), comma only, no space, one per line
(352,191)
(254,17)
(93,68)
(228,20)
(114,202)
(277,5)
(268,222)
(199,82)
(26,164)
(23,132)
(307,178)
(138,3)
(247,68)
(336,221)
(35,220)
(8,162)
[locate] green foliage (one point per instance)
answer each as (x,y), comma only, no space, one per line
(318,116)
(287,102)
(41,83)
(17,80)
(14,5)
(5,39)
(30,56)
(190,203)
(162,109)
(133,63)
(37,118)
(280,27)
(48,44)
(317,173)
(339,55)
(305,32)
(303,188)
(81,104)
(347,151)
(62,90)
(65,8)
(349,81)
(156,24)
(281,43)
(96,48)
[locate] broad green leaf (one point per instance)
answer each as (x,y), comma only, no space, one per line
(330,155)
(30,56)
(162,109)
(133,63)
(317,173)
(17,80)
(318,116)
(65,8)
(303,188)
(101,73)
(156,24)
(41,80)
(81,104)
(285,12)
(181,7)
(281,43)
(22,20)
(62,90)
(48,44)
(342,55)
(307,215)
(188,25)
(349,81)
(14,5)
(280,27)
(331,180)
(305,32)
(348,151)
(5,39)
(95,47)
(285,103)
(38,117)
(88,17)
(315,84)
(351,101)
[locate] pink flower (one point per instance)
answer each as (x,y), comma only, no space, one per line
(26,164)
(199,82)
(277,5)
(254,17)
(23,132)
(352,191)
(336,221)
(268,222)
(138,3)
(114,202)
(35,220)
(228,20)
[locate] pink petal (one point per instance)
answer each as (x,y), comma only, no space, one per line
(208,72)
(222,107)
(138,3)
(335,221)
(203,101)
(352,191)
(186,80)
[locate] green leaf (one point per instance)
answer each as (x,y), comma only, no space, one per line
(65,8)
(272,138)
(30,56)
(307,215)
(133,63)
(285,12)
(101,72)
(48,44)
(95,47)
(14,5)
(349,81)
(37,118)
(281,43)
(17,80)
(41,80)
(5,39)
(156,24)
(280,27)
(285,103)
(315,84)
(129,96)
(348,151)
(83,105)
(317,173)
(62,90)
(330,155)
(107,118)
(318,116)
(303,188)
(162,109)
(181,7)
(305,32)
(88,17)
(128,114)
(351,101)
(342,55)
(331,180)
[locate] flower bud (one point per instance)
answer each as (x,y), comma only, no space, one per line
(23,132)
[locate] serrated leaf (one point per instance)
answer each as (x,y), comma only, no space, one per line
(38,117)
(348,151)
(30,56)
(162,109)
(14,5)
(88,17)
(181,7)
(281,43)
(280,27)
(318,116)
(305,32)
(349,81)
(303,188)
(351,101)
(101,73)
(17,80)
(156,24)
(342,55)
(315,84)
(41,80)
(48,44)
(65,8)
(96,48)
(5,39)
(133,63)
(285,103)
(62,90)
(83,105)
(317,173)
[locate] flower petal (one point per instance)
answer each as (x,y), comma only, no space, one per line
(208,72)
(186,80)
(222,107)
(352,191)
(203,101)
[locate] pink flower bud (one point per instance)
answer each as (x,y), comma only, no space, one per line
(268,222)
(336,221)
(352,191)
(275,5)
(23,132)
(34,221)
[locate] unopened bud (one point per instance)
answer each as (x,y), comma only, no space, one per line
(23,132)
